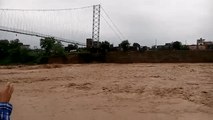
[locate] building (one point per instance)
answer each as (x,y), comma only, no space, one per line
(89,43)
(96,44)
(167,46)
(92,44)
(200,42)
(196,47)
(25,46)
(192,47)
(204,45)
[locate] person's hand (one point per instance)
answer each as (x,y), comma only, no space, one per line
(6,93)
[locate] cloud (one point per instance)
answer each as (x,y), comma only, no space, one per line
(143,20)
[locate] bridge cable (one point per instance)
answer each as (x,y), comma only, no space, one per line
(66,9)
(111,27)
(17,21)
(115,26)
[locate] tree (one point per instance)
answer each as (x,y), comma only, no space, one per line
(15,50)
(124,45)
(184,47)
(51,46)
(15,44)
(58,49)
(4,46)
(71,47)
(105,46)
(47,44)
(136,46)
(144,48)
(177,45)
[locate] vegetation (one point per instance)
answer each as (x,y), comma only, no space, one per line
(177,45)
(105,47)
(136,46)
(124,45)
(71,47)
(52,47)
(15,52)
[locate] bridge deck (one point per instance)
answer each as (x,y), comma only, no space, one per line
(30,33)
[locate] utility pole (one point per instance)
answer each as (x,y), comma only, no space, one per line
(96,23)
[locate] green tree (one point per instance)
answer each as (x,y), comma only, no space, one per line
(58,49)
(4,47)
(177,45)
(47,44)
(184,47)
(105,46)
(15,50)
(52,47)
(15,44)
(71,47)
(125,45)
(136,46)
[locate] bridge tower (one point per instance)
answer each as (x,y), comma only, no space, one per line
(96,23)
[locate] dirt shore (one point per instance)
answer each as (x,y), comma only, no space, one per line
(111,91)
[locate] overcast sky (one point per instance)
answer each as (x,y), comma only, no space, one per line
(142,21)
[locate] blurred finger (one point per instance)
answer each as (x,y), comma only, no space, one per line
(7,87)
(8,84)
(11,89)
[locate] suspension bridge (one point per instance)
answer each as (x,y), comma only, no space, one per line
(71,25)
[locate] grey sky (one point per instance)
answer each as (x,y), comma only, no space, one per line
(143,21)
